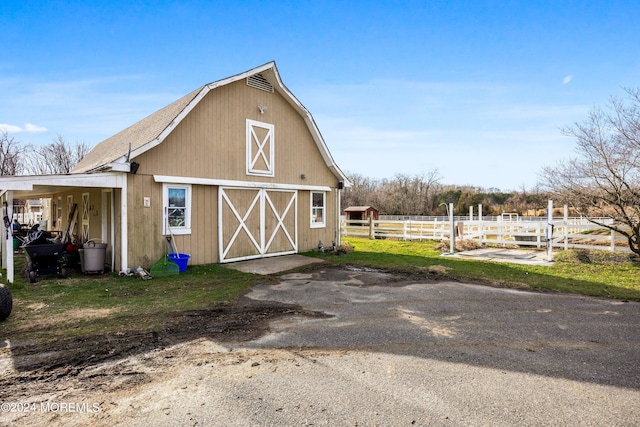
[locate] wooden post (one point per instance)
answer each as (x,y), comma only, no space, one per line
(371,234)
(452,231)
(613,241)
(550,231)
(480,224)
(566,227)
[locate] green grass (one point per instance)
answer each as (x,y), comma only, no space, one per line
(602,274)
(89,306)
(82,305)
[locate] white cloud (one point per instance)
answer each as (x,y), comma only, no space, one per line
(89,109)
(28,128)
(31,128)
(10,128)
(567,79)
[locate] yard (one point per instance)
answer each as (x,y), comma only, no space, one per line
(595,273)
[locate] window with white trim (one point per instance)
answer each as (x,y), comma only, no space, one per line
(260,148)
(176,211)
(318,209)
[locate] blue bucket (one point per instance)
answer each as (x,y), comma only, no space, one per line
(181,260)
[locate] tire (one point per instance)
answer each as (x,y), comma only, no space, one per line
(32,276)
(6,302)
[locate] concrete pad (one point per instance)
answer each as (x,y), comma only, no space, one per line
(518,256)
(271,265)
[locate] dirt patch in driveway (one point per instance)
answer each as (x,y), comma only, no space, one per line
(53,366)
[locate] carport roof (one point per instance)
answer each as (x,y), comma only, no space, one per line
(30,186)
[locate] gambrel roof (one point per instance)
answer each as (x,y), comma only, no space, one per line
(115,153)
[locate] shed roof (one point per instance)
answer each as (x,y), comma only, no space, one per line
(152,130)
(359,208)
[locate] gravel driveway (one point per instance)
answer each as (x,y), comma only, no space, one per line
(390,350)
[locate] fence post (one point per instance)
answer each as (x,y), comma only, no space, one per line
(452,237)
(550,231)
(371,234)
(480,224)
(613,241)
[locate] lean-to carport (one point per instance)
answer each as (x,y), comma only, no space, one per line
(45,186)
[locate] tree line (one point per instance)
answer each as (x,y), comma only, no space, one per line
(425,194)
(57,157)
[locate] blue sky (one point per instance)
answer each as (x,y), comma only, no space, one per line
(478,90)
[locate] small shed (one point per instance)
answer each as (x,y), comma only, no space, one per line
(360,213)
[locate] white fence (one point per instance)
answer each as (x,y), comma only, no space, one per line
(567,233)
(28,218)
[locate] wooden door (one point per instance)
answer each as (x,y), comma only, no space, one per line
(256,222)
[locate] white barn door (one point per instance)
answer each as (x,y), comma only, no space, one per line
(256,222)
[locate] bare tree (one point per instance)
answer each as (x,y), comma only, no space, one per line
(363,191)
(58,157)
(427,183)
(603,182)
(409,194)
(11,155)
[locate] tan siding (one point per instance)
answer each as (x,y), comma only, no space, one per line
(310,237)
(211,143)
(144,224)
(203,244)
(146,241)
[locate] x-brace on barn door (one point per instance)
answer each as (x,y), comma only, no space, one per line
(256,222)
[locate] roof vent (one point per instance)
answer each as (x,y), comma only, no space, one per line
(259,82)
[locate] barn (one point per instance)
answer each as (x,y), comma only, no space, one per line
(235,170)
